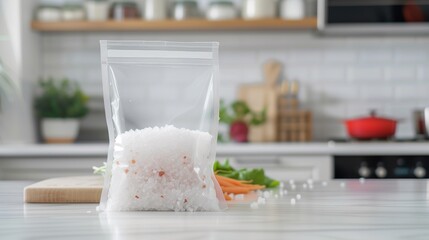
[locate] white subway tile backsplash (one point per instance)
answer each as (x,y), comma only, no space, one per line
(364,108)
(423,73)
(366,73)
(329,73)
(339,56)
(341,77)
(307,55)
(334,129)
(375,92)
(384,55)
(411,91)
(296,72)
(414,55)
(237,57)
(403,74)
(336,111)
(340,92)
(228,92)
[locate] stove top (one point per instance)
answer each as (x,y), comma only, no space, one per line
(351,140)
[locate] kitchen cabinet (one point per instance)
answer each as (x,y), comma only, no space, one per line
(395,209)
(296,167)
(298,161)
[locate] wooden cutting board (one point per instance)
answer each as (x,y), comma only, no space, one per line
(260,96)
(84,189)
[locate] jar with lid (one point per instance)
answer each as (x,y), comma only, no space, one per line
(221,10)
(259,9)
(155,9)
(292,9)
(72,13)
(124,10)
(185,9)
(48,13)
(97,10)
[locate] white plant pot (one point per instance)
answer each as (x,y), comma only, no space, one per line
(60,130)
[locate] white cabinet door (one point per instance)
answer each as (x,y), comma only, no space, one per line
(291,167)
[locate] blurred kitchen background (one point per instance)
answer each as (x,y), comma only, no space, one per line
(344,59)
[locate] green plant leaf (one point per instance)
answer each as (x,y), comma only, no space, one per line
(240,109)
(258,118)
(256,176)
(61,99)
(224,115)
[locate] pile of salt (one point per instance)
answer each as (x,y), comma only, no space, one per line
(162,169)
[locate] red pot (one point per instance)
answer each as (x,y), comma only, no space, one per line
(372,127)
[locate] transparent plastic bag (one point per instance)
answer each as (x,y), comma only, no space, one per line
(162,105)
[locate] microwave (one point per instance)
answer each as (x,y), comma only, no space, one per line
(373,16)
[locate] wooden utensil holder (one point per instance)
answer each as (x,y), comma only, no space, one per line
(294,125)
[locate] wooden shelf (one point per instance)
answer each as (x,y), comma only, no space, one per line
(171,25)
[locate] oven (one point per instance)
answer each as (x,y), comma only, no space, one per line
(373,16)
(381,167)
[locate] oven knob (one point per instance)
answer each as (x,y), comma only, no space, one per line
(419,171)
(364,171)
(380,171)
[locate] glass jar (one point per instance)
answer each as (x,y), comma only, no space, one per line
(185,9)
(72,13)
(221,10)
(124,10)
(46,13)
(292,9)
(259,9)
(97,10)
(155,9)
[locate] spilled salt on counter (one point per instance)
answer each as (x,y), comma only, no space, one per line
(165,169)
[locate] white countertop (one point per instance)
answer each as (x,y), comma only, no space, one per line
(397,209)
(231,150)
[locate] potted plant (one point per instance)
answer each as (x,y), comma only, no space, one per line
(240,117)
(60,106)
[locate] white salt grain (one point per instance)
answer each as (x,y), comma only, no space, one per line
(267,194)
(304,186)
(261,200)
(293,201)
(298,196)
(239,196)
(324,184)
(293,187)
(342,184)
(232,196)
(162,168)
(254,205)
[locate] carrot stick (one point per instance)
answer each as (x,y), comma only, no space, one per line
(253,187)
(230,180)
(223,183)
(227,197)
(236,190)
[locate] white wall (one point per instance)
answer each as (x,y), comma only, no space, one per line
(340,77)
(18,51)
